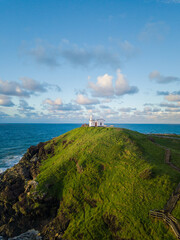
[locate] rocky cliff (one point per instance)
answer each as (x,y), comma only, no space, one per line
(21,207)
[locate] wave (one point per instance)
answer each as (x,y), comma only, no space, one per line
(9,162)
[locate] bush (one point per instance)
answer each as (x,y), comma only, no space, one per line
(146,174)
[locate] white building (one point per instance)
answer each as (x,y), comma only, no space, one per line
(96,123)
(100,122)
(91,122)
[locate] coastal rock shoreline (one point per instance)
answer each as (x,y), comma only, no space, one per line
(20,206)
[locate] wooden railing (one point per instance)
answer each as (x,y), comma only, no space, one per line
(165,214)
(171,203)
(168,219)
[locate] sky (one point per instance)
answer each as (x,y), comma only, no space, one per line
(64,60)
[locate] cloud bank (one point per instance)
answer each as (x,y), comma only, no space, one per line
(58,105)
(26,88)
(67,53)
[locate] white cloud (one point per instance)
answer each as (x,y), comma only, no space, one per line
(128,49)
(169,105)
(4,116)
(174,110)
(162,93)
(154,31)
(5,101)
(68,53)
(128,109)
(27,88)
(58,105)
(127,46)
(24,106)
(56,102)
(12,89)
(83,100)
(159,78)
(104,107)
(26,110)
(173,98)
(103,87)
(33,85)
(122,87)
(44,55)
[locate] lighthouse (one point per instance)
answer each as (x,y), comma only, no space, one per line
(96,123)
(91,122)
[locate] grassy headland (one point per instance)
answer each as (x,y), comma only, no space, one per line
(103,181)
(107,180)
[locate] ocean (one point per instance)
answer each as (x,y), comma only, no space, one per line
(16,138)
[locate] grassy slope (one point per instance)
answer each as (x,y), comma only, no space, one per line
(166,135)
(97,175)
(174,145)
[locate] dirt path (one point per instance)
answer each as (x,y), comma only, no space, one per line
(168,160)
(154,135)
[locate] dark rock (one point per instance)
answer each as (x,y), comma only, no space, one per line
(29,235)
(32,150)
(55,229)
(84,125)
(21,206)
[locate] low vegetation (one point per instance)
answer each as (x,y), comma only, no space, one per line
(91,183)
(107,180)
(173,143)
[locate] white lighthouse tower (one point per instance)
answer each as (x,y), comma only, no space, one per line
(96,123)
(91,122)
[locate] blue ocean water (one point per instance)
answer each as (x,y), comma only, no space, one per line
(16,138)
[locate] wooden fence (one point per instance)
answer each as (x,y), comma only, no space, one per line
(168,219)
(165,214)
(171,203)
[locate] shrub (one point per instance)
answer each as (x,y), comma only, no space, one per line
(146,174)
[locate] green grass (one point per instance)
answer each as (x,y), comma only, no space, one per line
(169,143)
(166,135)
(107,180)
(173,145)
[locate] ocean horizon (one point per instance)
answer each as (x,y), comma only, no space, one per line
(16,138)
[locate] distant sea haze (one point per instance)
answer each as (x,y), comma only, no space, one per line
(16,138)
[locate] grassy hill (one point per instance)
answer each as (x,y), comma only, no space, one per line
(107,180)
(95,183)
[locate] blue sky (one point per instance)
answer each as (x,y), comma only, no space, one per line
(61,61)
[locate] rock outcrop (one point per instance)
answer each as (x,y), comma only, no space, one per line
(29,235)
(21,207)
